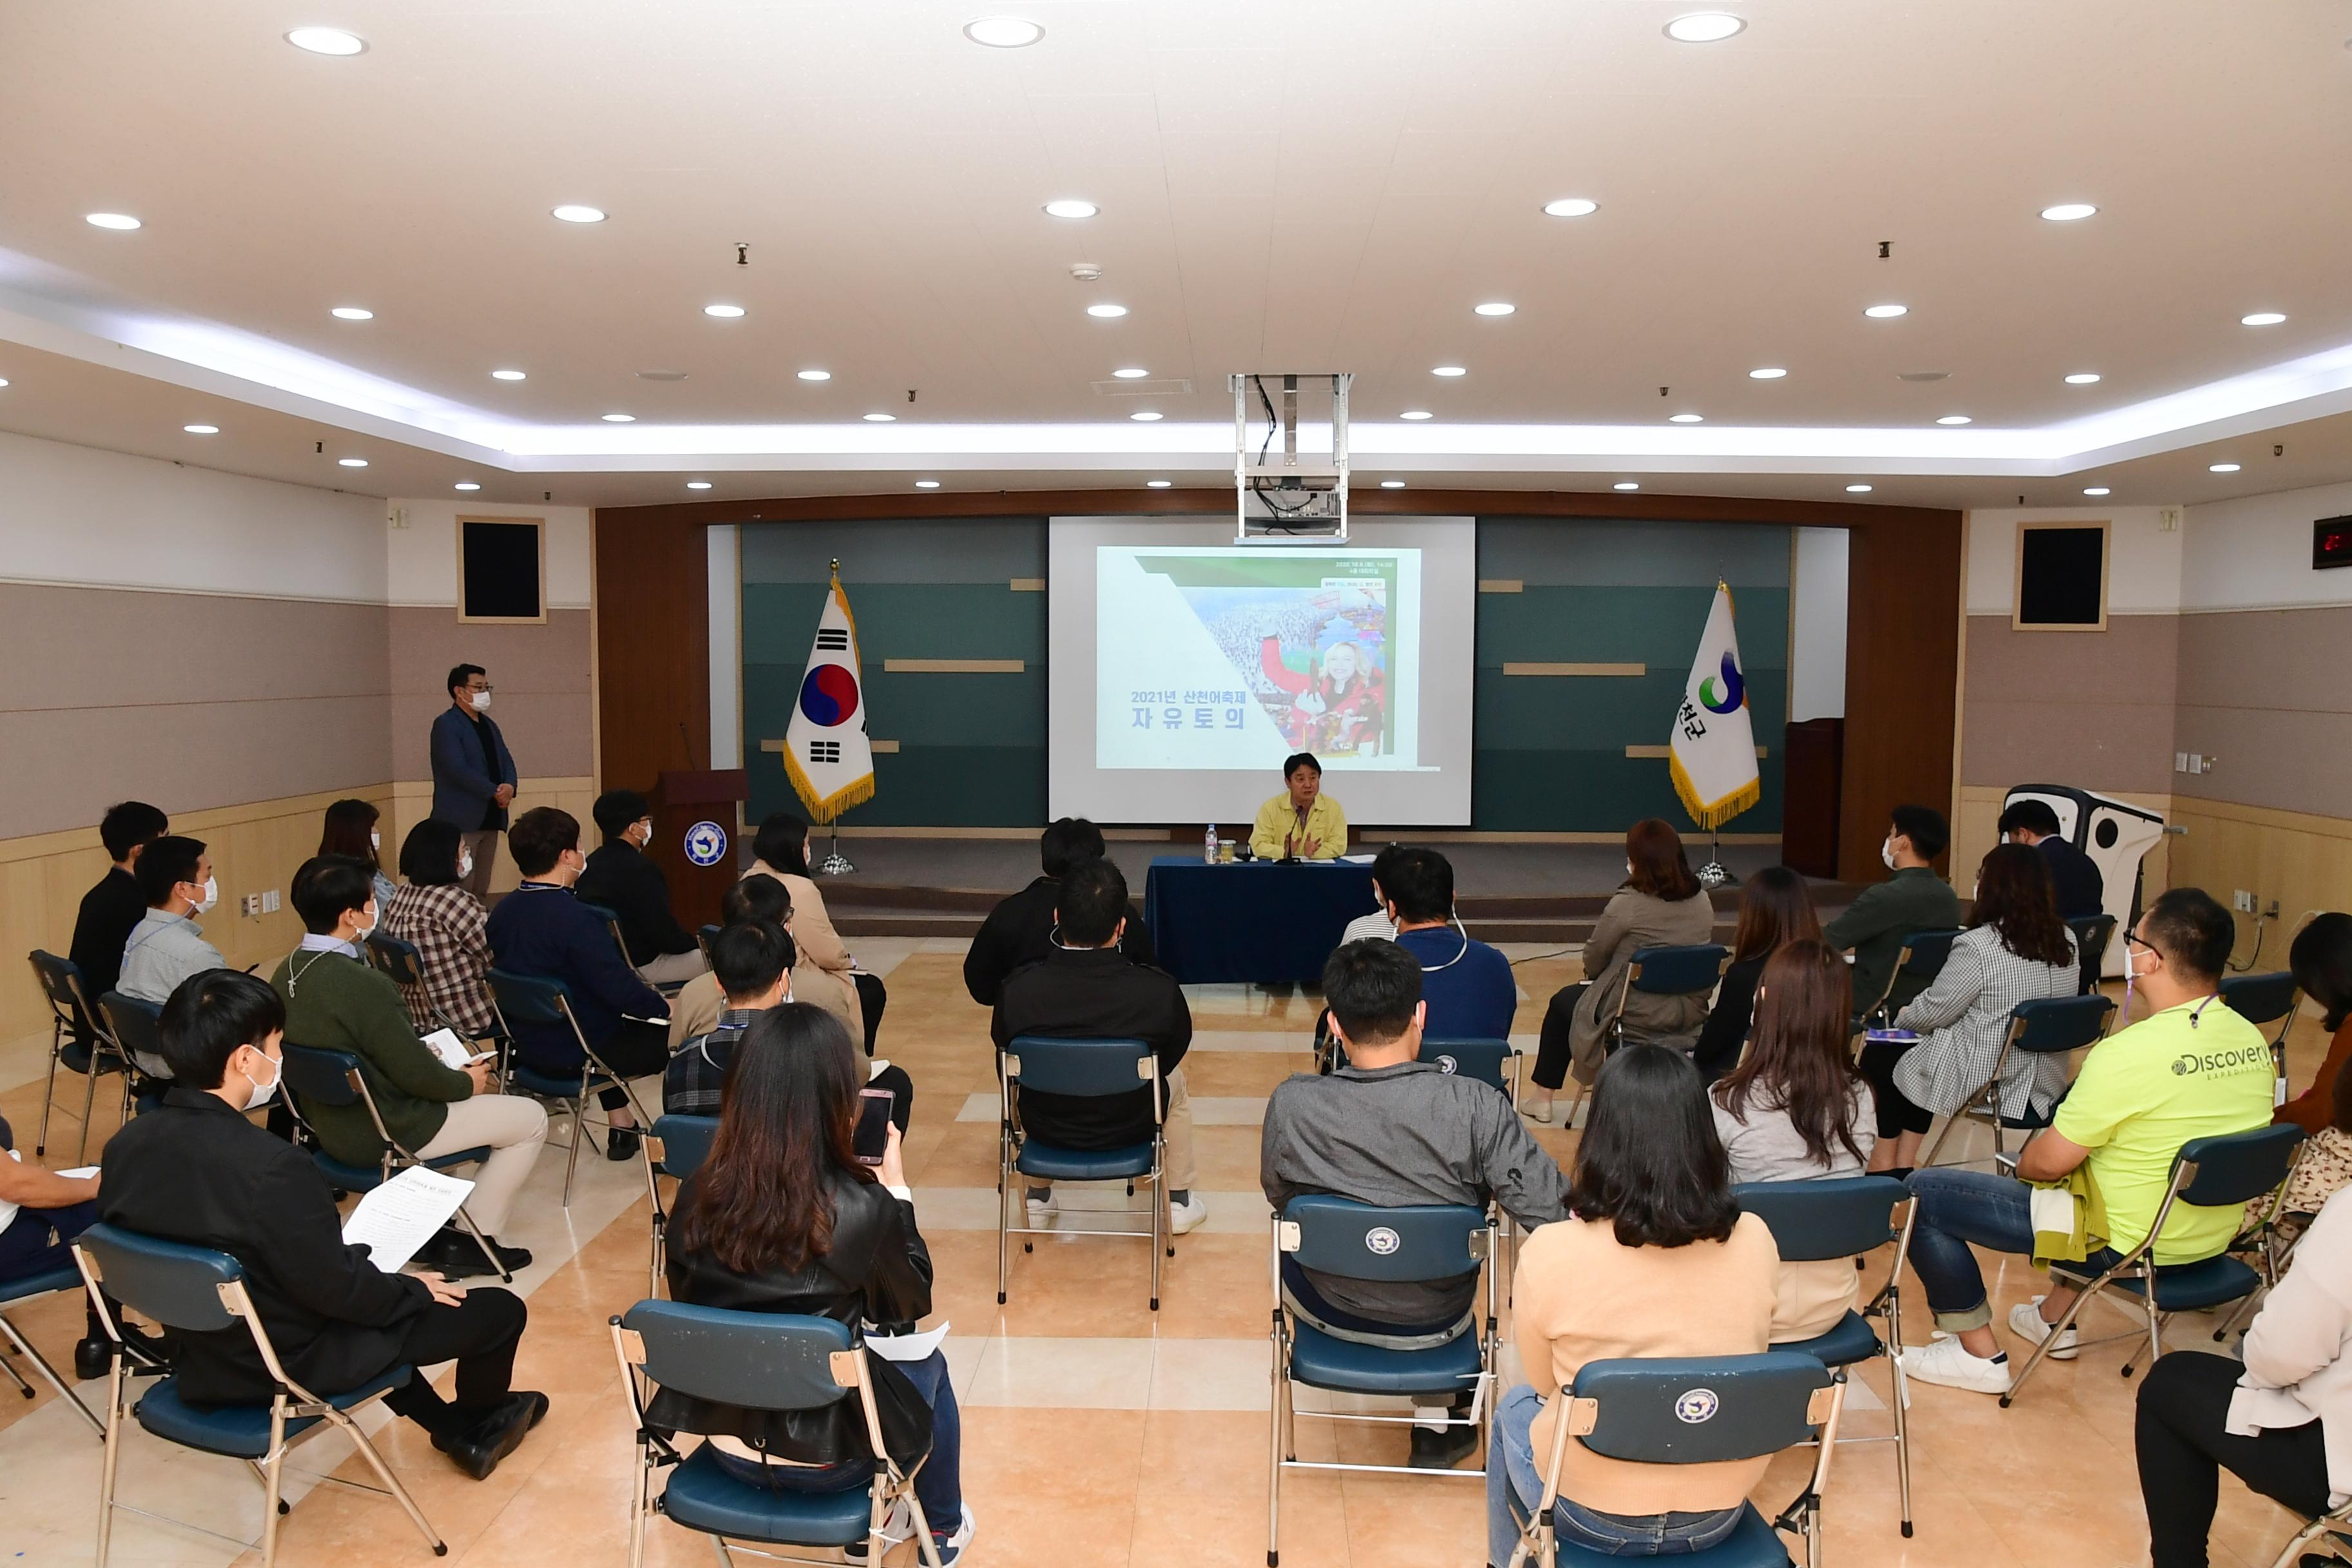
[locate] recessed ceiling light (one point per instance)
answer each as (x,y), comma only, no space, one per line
(1955,419)
(1145,415)
(2263,319)
(927,484)
(506,375)
(111,220)
(1003,32)
(1494,308)
(1626,485)
(352,313)
(620,419)
(201,430)
(1685,418)
(1704,28)
(1391,484)
(326,41)
(1448,371)
(464,485)
(724,313)
(1857,490)
(1157,484)
(816,376)
(1106,312)
(2083,378)
(1766,373)
(2096,491)
(4,381)
(697,484)
(2069,212)
(881,419)
(2221,467)
(1416,413)
(1071,208)
(1131,373)
(1570,206)
(353,462)
(573,212)
(1885,312)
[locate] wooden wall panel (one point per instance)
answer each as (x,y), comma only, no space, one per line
(1902,676)
(653,645)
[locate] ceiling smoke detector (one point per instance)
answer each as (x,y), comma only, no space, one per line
(1086,271)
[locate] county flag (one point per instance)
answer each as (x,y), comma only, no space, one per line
(1714,748)
(825,750)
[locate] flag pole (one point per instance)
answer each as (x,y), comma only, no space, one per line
(836,864)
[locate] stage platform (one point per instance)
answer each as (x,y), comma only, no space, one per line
(1505,892)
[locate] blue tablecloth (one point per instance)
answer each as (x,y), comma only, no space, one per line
(1257,921)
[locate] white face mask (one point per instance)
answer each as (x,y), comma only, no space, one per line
(211,897)
(1886,853)
(464,866)
(1629,871)
(363,932)
(263,1093)
(2131,973)
(375,839)
(481,701)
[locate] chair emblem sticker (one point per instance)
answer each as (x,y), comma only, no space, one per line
(1445,1063)
(1380,1241)
(1695,1405)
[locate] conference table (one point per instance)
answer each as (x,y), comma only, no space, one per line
(1256,920)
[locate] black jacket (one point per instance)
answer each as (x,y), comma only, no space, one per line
(1725,1030)
(194,1171)
(2081,887)
(877,1273)
(1095,994)
(624,879)
(110,913)
(1020,931)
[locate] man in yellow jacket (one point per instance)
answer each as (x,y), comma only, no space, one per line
(1302,823)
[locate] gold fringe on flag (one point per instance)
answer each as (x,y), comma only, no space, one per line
(1716,812)
(824,808)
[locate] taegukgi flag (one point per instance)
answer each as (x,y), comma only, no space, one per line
(1714,748)
(825,751)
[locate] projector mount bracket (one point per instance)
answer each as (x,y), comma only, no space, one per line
(1291,494)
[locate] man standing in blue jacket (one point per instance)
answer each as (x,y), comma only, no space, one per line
(472,775)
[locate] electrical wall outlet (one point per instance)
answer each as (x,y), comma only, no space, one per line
(251,904)
(2242,901)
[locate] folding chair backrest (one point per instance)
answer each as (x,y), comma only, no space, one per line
(2091,935)
(2049,1026)
(704,936)
(1923,954)
(1701,1409)
(611,919)
(1679,971)
(321,1076)
(1825,1217)
(2237,1167)
(1489,1061)
(757,1361)
(685,1142)
(177,1285)
(2260,998)
(133,1024)
(60,982)
(1359,1241)
(1088,1069)
(530,998)
(396,956)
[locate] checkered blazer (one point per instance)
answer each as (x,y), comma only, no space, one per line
(446,925)
(1962,1018)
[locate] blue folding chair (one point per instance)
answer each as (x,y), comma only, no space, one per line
(675,1148)
(198,1290)
(1698,1410)
(1359,1241)
(1494,1062)
(80,1040)
(2044,1026)
(1920,958)
(11,1291)
(2262,1000)
(2225,1172)
(1092,1069)
(704,936)
(536,999)
(754,1361)
(134,1024)
(2092,936)
(1693,970)
(318,1075)
(1837,1217)
(400,959)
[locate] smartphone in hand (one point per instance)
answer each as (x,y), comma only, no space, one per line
(872,1138)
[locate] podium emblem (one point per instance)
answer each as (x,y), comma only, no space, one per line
(705,842)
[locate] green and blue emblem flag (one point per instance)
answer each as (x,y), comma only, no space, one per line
(1713,752)
(827,753)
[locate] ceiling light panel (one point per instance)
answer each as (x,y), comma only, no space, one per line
(573,212)
(1003,32)
(1570,206)
(1070,207)
(1706,28)
(121,222)
(2069,212)
(326,41)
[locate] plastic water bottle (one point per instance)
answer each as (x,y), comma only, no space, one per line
(1209,847)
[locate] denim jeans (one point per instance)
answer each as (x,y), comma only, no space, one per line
(1511,1463)
(938,1485)
(1957,1207)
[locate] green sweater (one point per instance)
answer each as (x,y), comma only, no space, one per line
(337,1003)
(1874,925)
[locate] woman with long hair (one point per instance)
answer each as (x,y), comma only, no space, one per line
(782,1217)
(2321,959)
(349,830)
(780,850)
(1653,1260)
(431,910)
(1774,910)
(1796,1109)
(1660,905)
(2016,950)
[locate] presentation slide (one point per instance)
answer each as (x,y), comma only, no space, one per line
(1184,667)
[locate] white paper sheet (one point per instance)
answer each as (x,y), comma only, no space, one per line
(399,1217)
(907,1347)
(452,1050)
(79,1171)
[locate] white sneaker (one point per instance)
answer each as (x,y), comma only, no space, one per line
(1187,1216)
(2025,1321)
(1947,1361)
(1040,1208)
(951,1547)
(897,1525)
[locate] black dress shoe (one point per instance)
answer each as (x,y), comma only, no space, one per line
(92,1356)
(621,1144)
(1442,1451)
(478,1449)
(456,1255)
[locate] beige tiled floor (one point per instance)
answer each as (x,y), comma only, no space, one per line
(1096,1432)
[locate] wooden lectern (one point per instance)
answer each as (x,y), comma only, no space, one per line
(681,802)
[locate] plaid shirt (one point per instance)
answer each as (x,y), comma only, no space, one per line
(691,1083)
(446,923)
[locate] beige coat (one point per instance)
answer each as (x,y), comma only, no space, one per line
(821,973)
(1630,922)
(2298,1349)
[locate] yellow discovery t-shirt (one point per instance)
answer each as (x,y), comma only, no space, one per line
(2193,1071)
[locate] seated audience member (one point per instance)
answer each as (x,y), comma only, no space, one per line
(1087,989)
(2321,959)
(750,961)
(196,1170)
(2123,1121)
(1914,898)
(2323,1167)
(2075,879)
(1654,1260)
(1377,924)
(167,945)
(1796,1109)
(1775,909)
(335,1001)
(2275,1420)
(1391,1130)
(780,850)
(782,1217)
(695,1009)
(44,1212)
(1020,930)
(540,928)
(624,879)
(1303,823)
(2016,950)
(111,910)
(1661,905)
(431,911)
(1467,986)
(351,832)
